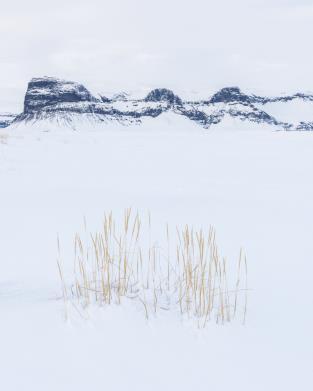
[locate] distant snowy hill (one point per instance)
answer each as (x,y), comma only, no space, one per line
(66,103)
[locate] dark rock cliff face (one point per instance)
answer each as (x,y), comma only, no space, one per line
(163,95)
(234,94)
(43,92)
(52,99)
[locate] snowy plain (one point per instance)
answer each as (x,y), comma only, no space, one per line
(253,185)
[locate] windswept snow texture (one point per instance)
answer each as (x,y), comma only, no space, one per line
(69,103)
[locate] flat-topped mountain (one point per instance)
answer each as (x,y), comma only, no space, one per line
(67,103)
(48,91)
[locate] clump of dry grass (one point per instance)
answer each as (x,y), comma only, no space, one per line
(187,275)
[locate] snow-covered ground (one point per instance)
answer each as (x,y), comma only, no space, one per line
(256,189)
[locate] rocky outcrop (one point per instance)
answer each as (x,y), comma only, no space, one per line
(305,126)
(104,99)
(163,95)
(48,91)
(234,94)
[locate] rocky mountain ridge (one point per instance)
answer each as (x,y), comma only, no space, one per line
(63,101)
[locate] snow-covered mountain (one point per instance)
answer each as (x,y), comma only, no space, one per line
(68,103)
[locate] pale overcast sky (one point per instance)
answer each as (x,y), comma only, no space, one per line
(133,44)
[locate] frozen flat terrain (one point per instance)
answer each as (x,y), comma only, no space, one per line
(255,187)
